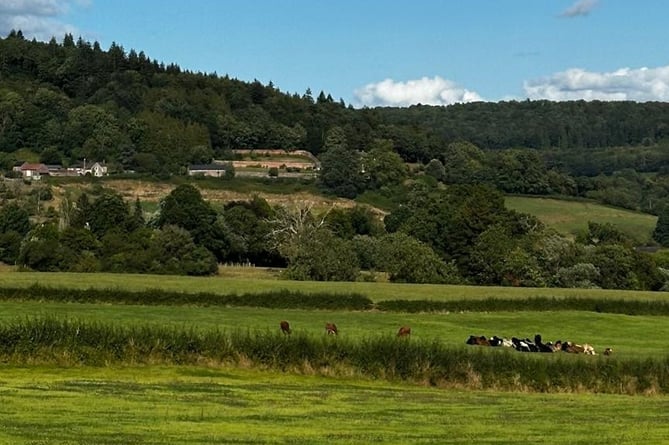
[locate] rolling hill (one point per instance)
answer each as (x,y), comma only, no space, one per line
(570,217)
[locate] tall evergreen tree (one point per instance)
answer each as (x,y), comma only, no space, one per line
(661,232)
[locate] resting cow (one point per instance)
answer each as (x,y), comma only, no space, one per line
(500,341)
(574,348)
(285,327)
(542,347)
(480,340)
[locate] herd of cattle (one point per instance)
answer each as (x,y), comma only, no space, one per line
(521,345)
(331,329)
(527,345)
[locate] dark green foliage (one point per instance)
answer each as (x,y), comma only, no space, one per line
(436,169)
(185,208)
(600,234)
(661,232)
(10,246)
(286,299)
(341,172)
(108,211)
(42,250)
(536,304)
(249,232)
(323,257)
(408,260)
(14,218)
(95,344)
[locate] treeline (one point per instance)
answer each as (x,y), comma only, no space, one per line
(436,234)
(71,99)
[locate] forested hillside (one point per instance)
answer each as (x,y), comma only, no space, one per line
(445,222)
(69,100)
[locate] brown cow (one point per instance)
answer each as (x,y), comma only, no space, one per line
(478,340)
(404,331)
(331,329)
(285,327)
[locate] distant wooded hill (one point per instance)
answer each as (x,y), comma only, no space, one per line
(65,101)
(68,100)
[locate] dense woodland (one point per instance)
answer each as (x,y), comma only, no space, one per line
(67,100)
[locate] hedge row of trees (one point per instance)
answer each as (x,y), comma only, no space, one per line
(437,234)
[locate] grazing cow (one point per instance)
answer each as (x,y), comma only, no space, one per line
(331,329)
(480,340)
(285,327)
(608,351)
(404,331)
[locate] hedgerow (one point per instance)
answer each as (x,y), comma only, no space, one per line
(288,299)
(279,299)
(534,304)
(73,342)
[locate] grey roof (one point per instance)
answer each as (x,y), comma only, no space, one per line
(206,167)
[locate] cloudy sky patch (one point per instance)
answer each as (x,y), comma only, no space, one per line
(642,85)
(579,8)
(426,91)
(40,19)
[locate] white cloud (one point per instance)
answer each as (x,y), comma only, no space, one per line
(641,85)
(40,19)
(426,91)
(579,8)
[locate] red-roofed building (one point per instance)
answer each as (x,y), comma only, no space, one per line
(32,171)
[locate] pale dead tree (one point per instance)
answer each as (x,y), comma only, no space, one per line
(67,208)
(293,223)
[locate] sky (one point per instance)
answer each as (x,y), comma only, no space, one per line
(390,52)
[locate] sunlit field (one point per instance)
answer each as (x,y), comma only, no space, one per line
(571,217)
(239,280)
(247,402)
(200,405)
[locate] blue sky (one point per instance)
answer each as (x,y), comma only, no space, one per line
(391,52)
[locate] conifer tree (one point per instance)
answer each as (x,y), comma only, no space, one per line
(661,232)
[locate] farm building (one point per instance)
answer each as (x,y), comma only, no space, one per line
(215,170)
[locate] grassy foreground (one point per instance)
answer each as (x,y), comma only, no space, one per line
(179,405)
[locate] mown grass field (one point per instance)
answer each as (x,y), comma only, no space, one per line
(629,336)
(240,280)
(49,403)
(199,405)
(571,217)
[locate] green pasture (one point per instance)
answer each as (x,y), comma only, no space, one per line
(571,217)
(240,280)
(629,336)
(200,405)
